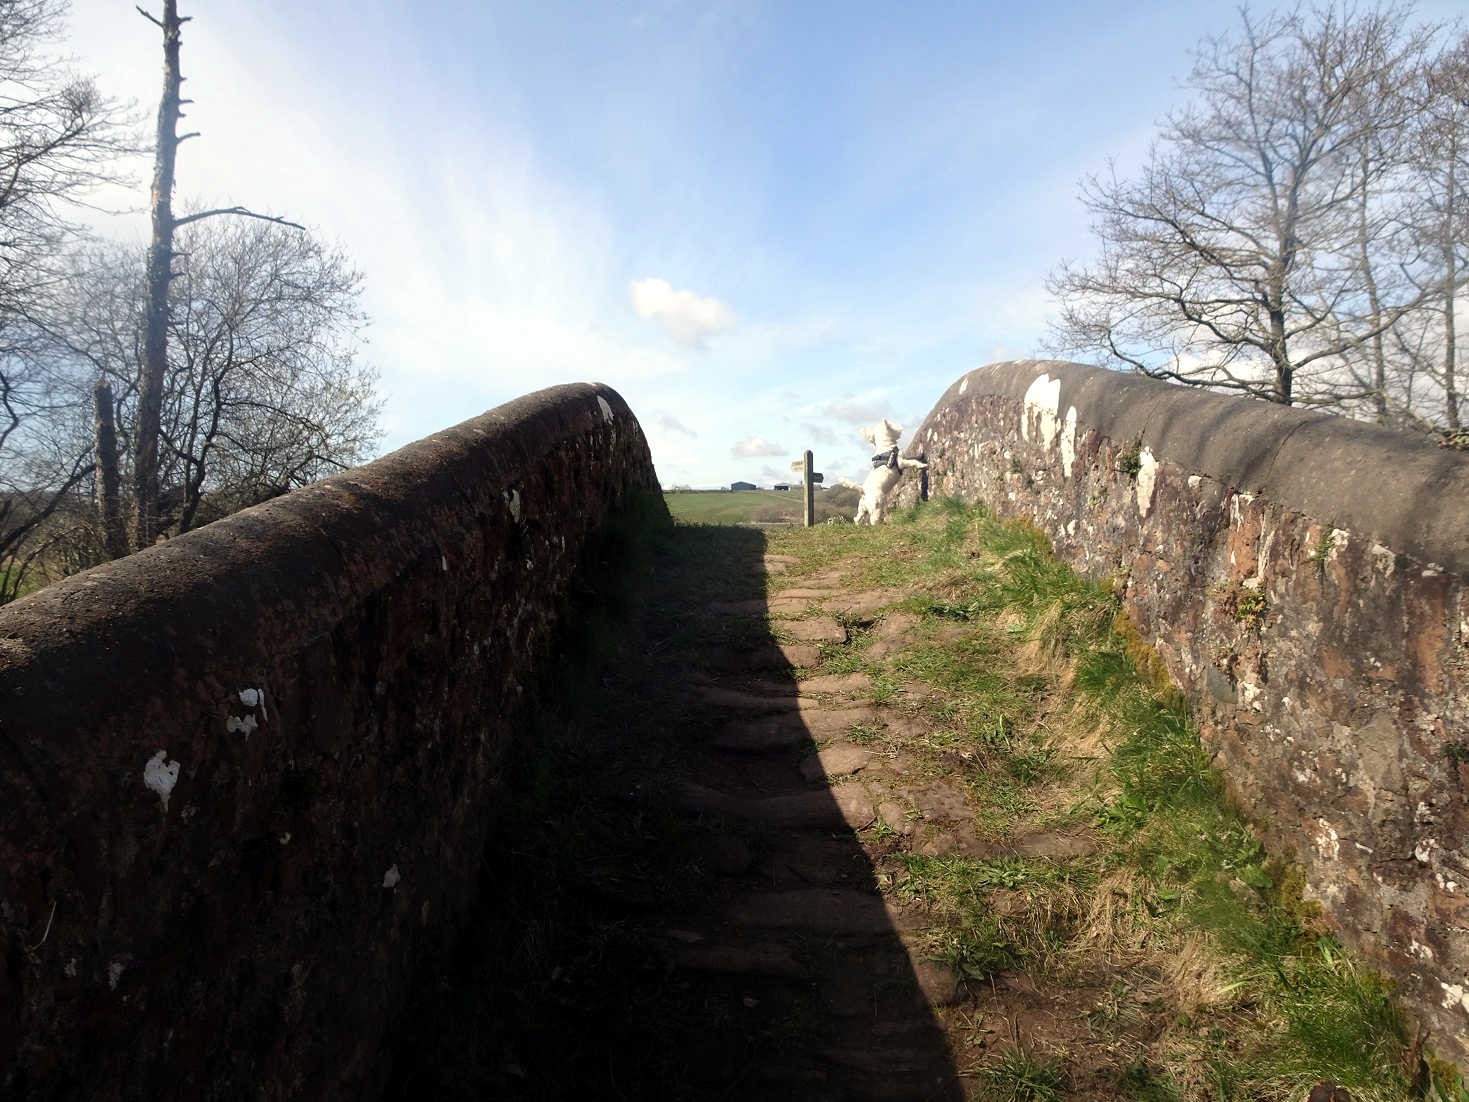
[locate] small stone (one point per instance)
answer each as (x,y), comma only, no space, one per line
(940,802)
(848,994)
(840,759)
(818,629)
(800,656)
(939,983)
(766,961)
(836,683)
(863,605)
(730,856)
(831,910)
(787,606)
(895,815)
(1052,843)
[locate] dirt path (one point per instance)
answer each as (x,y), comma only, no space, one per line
(700,890)
(827,815)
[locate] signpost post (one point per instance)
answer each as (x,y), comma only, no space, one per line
(808,488)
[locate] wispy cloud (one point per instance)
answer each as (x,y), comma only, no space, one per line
(819,434)
(673,424)
(689,319)
(869,407)
(753,446)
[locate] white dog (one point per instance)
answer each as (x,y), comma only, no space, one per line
(887,468)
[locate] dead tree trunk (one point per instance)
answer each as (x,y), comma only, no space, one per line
(160,271)
(109,512)
(1451,278)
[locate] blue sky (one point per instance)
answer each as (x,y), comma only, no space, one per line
(765,224)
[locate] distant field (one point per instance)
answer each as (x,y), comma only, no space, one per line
(756,506)
(737,507)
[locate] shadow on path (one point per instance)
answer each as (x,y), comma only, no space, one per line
(675,903)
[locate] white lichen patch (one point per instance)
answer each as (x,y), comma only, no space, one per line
(963,384)
(1384,559)
(1249,696)
(1147,479)
(1194,482)
(241,724)
(114,973)
(160,775)
(1043,399)
(1237,505)
(1454,996)
(1445,883)
(392,877)
(444,563)
(1419,950)
(1068,442)
(254,698)
(1326,841)
(1423,851)
(512,499)
(606,409)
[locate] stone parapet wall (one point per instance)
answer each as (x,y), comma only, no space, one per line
(246,775)
(1306,580)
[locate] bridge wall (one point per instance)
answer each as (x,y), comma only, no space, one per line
(1304,579)
(246,775)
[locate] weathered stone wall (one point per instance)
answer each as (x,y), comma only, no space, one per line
(1304,578)
(246,775)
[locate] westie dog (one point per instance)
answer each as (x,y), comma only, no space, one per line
(887,468)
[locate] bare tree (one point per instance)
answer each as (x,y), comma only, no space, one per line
(160,274)
(1441,161)
(266,393)
(1235,260)
(264,390)
(58,137)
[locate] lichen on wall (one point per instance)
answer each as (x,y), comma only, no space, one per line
(335,676)
(1306,580)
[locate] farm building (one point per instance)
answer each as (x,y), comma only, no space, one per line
(741,485)
(781,486)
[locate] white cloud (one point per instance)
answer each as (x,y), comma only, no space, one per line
(755,445)
(867,408)
(819,434)
(688,318)
(673,424)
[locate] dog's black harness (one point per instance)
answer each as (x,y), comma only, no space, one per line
(888,458)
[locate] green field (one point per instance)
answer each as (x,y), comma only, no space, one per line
(735,507)
(756,506)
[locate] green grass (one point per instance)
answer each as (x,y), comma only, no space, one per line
(1186,963)
(1018,643)
(783,507)
(1019,1075)
(735,507)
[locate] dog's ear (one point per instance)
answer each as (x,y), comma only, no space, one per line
(893,431)
(870,435)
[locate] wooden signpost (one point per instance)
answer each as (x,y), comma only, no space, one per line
(808,480)
(806,485)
